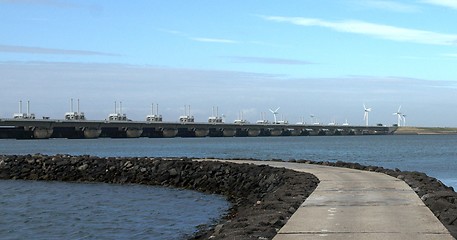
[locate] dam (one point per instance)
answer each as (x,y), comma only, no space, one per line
(24,128)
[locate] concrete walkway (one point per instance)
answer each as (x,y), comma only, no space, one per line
(354,204)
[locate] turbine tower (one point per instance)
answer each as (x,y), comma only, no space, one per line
(275,112)
(365,115)
(404,120)
(399,116)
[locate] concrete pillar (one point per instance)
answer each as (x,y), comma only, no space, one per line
(275,132)
(253,132)
(295,132)
(42,133)
(313,132)
(169,132)
(201,132)
(92,132)
(229,132)
(133,132)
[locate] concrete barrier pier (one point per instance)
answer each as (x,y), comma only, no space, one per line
(49,128)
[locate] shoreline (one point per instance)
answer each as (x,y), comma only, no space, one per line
(425,131)
(262,197)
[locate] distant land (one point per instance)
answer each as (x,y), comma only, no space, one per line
(425,130)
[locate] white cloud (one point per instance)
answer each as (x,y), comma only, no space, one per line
(452,55)
(374,30)
(55,51)
(389,5)
(213,40)
(198,39)
(171,31)
(444,3)
(56,4)
(264,60)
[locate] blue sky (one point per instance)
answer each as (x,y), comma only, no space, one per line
(326,58)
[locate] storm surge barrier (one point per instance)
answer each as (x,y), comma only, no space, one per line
(50,128)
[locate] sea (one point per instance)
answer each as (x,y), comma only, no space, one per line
(56,210)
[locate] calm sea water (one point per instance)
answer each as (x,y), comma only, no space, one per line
(59,210)
(435,155)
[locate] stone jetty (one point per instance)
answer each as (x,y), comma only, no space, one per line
(263,198)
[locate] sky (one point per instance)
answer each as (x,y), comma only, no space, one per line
(322,58)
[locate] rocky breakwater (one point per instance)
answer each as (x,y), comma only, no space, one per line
(262,197)
(439,198)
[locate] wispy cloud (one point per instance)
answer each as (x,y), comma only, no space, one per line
(262,60)
(389,6)
(171,31)
(52,51)
(266,44)
(198,39)
(213,40)
(54,4)
(451,55)
(374,30)
(444,3)
(408,57)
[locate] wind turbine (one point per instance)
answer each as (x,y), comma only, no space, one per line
(365,115)
(404,119)
(275,112)
(399,116)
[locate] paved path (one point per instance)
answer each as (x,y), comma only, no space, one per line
(354,204)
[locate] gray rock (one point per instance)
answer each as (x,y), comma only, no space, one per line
(83,167)
(218,228)
(173,172)
(425,197)
(128,164)
(291,210)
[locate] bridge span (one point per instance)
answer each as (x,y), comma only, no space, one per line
(51,128)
